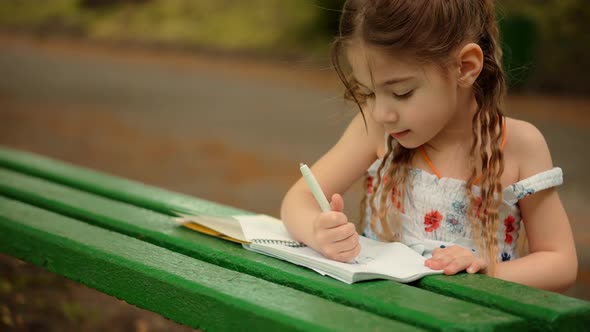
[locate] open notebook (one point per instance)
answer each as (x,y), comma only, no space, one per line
(267,235)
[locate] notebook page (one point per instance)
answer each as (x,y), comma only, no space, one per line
(263,227)
(393,259)
(376,258)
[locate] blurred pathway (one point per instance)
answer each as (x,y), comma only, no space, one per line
(227,130)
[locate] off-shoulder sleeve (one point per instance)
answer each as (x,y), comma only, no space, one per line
(540,181)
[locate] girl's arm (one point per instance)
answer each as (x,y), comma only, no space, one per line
(552,263)
(336,171)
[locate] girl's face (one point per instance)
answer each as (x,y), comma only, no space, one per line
(414,103)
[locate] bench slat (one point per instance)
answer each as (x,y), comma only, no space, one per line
(384,298)
(117,188)
(559,312)
(184,289)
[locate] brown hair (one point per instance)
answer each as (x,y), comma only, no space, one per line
(431,31)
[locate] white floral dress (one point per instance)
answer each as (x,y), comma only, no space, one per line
(434,214)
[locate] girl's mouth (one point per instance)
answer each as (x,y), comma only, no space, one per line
(399,134)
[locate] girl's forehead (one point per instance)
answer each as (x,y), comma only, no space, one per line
(370,64)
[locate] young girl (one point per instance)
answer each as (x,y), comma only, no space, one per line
(448,174)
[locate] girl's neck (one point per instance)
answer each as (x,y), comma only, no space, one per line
(458,133)
(450,150)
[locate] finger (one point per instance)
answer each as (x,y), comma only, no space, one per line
(459,263)
(347,244)
(434,264)
(335,248)
(341,233)
(349,255)
(443,256)
(477,266)
(440,261)
(326,237)
(332,219)
(337,203)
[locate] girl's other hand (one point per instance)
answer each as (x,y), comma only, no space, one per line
(455,259)
(334,236)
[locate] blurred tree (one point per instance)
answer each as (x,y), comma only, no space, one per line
(322,27)
(328,18)
(519,42)
(96,4)
(546,42)
(562,55)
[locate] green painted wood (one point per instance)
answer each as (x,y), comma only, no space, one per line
(385,298)
(184,289)
(114,187)
(548,310)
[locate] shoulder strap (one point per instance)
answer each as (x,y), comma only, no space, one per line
(538,182)
(429,162)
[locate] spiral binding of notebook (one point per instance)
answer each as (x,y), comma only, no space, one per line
(293,244)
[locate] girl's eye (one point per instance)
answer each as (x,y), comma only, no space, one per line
(405,95)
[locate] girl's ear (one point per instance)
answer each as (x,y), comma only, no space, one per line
(470,60)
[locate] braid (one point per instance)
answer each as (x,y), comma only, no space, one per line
(362,223)
(398,162)
(489,90)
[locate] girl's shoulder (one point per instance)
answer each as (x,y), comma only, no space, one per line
(527,148)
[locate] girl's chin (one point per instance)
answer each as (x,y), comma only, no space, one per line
(408,143)
(409,146)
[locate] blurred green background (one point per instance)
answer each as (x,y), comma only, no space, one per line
(546,42)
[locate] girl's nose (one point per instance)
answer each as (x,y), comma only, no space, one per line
(382,112)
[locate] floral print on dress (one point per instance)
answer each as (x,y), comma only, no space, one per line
(460,207)
(438,210)
(432,220)
(370,185)
(509,228)
(395,199)
(453,224)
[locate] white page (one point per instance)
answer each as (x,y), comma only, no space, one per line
(376,258)
(261,226)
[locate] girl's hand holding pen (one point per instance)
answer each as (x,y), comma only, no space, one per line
(333,235)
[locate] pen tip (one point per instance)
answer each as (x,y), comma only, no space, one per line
(301,164)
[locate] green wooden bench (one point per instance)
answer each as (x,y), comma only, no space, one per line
(118,236)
